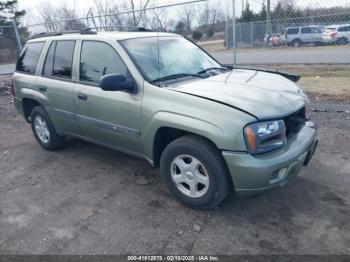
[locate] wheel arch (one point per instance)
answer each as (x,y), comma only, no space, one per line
(28,104)
(165,127)
(164,136)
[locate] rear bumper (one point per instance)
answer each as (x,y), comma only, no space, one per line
(329,40)
(253,175)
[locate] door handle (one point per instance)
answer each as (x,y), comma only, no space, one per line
(42,88)
(82,96)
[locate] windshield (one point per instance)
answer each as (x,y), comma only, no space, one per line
(176,56)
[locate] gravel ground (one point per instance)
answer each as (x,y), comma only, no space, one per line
(86,199)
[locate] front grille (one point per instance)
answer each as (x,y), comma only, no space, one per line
(295,122)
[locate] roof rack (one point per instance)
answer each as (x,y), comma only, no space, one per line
(88,31)
(85,31)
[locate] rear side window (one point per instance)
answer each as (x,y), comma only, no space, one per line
(292,31)
(98,59)
(29,58)
(315,30)
(59,59)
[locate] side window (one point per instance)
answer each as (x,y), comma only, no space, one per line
(98,59)
(59,59)
(292,31)
(29,58)
(344,29)
(315,30)
(306,30)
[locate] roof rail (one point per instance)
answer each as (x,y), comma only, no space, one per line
(88,31)
(134,29)
(85,31)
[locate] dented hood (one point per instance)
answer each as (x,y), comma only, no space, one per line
(263,95)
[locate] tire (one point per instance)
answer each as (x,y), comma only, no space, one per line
(296,43)
(211,168)
(44,131)
(342,41)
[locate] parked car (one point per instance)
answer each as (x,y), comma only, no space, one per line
(158,96)
(297,36)
(337,34)
(275,39)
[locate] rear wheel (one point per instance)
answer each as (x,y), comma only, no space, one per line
(43,129)
(195,173)
(297,43)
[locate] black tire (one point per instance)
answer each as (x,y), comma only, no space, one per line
(55,141)
(297,43)
(220,182)
(342,41)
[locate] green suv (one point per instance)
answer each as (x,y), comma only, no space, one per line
(158,96)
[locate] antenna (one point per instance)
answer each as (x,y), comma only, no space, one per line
(158,51)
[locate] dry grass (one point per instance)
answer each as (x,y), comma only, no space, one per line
(326,88)
(320,82)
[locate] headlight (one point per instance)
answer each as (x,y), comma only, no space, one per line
(266,136)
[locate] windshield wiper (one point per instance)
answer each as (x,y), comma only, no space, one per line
(212,68)
(174,76)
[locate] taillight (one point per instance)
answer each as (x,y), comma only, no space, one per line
(333,34)
(13,87)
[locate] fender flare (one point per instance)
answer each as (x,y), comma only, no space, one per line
(182,122)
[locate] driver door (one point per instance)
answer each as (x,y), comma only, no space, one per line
(112,118)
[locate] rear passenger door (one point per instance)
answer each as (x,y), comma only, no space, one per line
(109,117)
(306,36)
(316,35)
(26,67)
(57,84)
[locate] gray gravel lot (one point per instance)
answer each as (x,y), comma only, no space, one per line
(86,199)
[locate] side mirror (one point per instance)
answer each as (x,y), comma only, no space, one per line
(117,82)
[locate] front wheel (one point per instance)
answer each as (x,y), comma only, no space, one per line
(195,173)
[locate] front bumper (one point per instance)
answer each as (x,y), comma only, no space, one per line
(253,175)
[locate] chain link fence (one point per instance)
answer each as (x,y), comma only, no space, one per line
(307,37)
(10,43)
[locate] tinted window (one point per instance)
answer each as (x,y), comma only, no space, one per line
(344,29)
(48,66)
(315,30)
(292,31)
(306,30)
(59,59)
(29,58)
(98,59)
(62,64)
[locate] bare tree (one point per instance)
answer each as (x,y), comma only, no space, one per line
(210,15)
(186,17)
(160,20)
(59,18)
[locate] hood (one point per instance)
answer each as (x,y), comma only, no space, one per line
(263,95)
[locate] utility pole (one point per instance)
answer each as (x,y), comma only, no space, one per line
(18,39)
(268,18)
(234,51)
